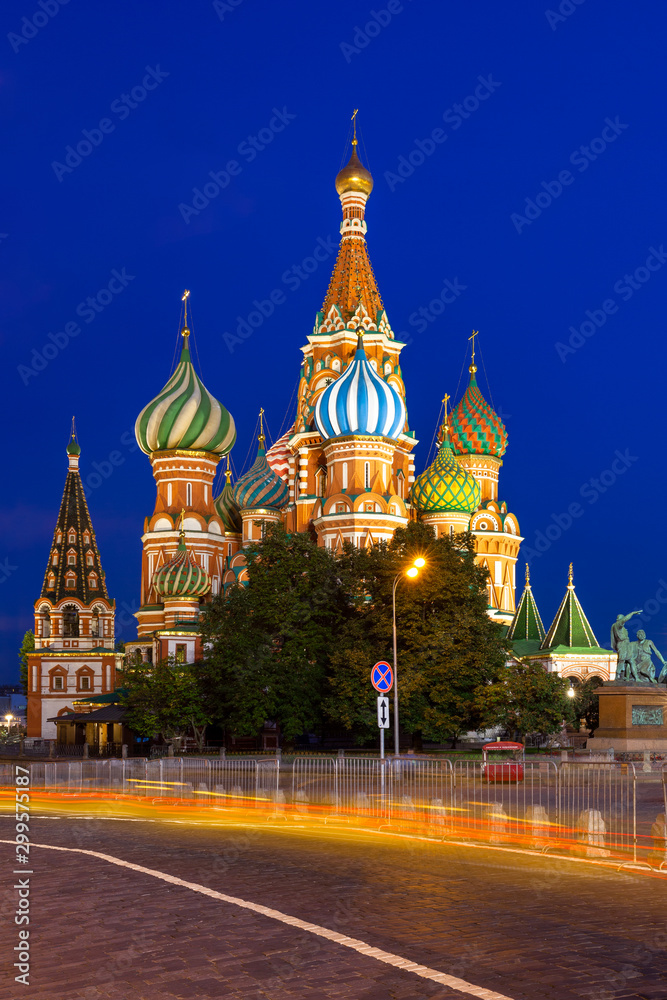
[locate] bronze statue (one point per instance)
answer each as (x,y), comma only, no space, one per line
(620,643)
(643,650)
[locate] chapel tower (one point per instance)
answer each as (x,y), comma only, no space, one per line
(349,455)
(74,616)
(479,440)
(185,431)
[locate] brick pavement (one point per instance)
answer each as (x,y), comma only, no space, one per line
(531,929)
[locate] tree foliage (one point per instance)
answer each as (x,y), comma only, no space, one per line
(525,699)
(165,699)
(447,645)
(298,643)
(27,646)
(269,644)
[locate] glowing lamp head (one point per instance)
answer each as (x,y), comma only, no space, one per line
(412,572)
(420,562)
(570,691)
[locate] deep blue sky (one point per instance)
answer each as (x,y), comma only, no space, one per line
(554,85)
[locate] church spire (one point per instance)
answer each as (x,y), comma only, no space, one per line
(527,623)
(570,627)
(352,296)
(74,569)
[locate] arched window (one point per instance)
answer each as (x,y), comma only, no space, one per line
(54,559)
(387,368)
(70,621)
(70,581)
(374,364)
(90,560)
(400,480)
(321,482)
(59,537)
(188,494)
(71,536)
(367,475)
(46,624)
(168,494)
(71,557)
(92,581)
(86,538)
(95,624)
(51,581)
(335,364)
(344,475)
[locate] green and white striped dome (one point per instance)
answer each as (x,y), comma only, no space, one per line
(181,576)
(185,415)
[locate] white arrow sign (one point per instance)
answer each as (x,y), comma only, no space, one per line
(383,712)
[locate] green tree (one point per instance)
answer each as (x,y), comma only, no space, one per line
(270,642)
(586,704)
(447,645)
(525,699)
(27,647)
(165,699)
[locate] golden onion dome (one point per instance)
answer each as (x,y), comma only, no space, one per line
(354,176)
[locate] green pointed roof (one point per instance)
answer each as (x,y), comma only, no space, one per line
(570,627)
(78,559)
(527,624)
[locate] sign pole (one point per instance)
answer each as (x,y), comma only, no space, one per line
(382,744)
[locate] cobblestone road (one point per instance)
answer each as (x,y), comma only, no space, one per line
(526,928)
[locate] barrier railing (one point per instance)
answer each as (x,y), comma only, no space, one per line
(596,809)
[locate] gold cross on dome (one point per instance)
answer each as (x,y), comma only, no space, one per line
(444,403)
(184,299)
(475,333)
(354,123)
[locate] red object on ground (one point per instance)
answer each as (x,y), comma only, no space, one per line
(508,770)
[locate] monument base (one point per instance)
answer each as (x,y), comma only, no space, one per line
(633,716)
(621,746)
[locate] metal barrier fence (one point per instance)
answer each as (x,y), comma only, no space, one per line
(590,807)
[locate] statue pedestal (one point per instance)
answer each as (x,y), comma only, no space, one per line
(633,716)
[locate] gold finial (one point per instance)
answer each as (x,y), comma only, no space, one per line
(181,529)
(570,576)
(261,438)
(527,575)
(473,367)
(73,429)
(360,336)
(228,471)
(354,123)
(185,333)
(444,403)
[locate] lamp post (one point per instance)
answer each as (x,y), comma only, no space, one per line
(8,719)
(411,573)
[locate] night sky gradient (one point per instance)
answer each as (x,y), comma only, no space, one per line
(221,73)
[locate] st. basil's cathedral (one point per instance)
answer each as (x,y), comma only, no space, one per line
(345,471)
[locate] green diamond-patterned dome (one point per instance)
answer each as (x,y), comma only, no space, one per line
(445,485)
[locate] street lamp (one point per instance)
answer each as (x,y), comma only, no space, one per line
(8,719)
(411,573)
(570,691)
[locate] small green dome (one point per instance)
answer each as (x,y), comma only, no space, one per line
(445,486)
(73,447)
(181,576)
(260,486)
(227,509)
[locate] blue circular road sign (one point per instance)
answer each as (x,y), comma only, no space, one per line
(382,676)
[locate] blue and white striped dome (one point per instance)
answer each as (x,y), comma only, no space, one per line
(360,402)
